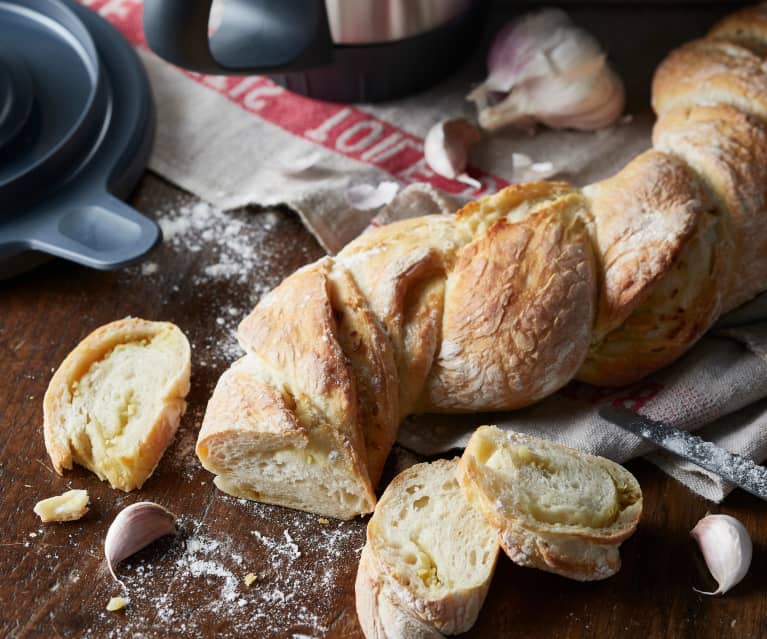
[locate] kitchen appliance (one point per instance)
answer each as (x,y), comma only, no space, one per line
(338,50)
(76,125)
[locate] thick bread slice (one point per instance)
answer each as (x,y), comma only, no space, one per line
(554,508)
(432,552)
(307,418)
(115,402)
(253,440)
(381,614)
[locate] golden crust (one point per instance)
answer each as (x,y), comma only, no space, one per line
(370,357)
(400,269)
(747,28)
(137,466)
(519,305)
(293,335)
(642,218)
(728,150)
(332,357)
(664,264)
(705,72)
(242,402)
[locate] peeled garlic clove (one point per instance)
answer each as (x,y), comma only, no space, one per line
(726,548)
(446,149)
(366,197)
(134,528)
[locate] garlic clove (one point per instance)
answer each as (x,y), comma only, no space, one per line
(366,197)
(516,51)
(446,149)
(134,528)
(726,548)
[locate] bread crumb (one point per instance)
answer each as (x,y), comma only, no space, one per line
(322,520)
(68,506)
(116,603)
(149,268)
(249,579)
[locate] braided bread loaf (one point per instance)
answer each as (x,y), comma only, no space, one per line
(505,302)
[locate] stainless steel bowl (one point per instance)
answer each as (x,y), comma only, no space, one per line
(377,21)
(340,50)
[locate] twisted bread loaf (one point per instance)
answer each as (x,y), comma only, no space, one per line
(506,301)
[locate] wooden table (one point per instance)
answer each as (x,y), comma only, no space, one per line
(53,579)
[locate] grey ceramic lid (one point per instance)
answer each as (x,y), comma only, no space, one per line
(76,123)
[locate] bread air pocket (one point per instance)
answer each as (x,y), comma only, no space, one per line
(555,508)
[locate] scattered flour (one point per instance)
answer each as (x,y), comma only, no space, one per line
(197,582)
(235,257)
(194,585)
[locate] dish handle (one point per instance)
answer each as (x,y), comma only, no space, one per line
(255,36)
(104,233)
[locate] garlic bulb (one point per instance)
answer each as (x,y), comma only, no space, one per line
(542,68)
(446,149)
(726,548)
(134,528)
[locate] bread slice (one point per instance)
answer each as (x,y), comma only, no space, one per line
(554,508)
(428,559)
(115,402)
(261,446)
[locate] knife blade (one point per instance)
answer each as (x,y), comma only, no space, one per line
(736,469)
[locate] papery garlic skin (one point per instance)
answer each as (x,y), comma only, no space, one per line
(366,197)
(542,68)
(727,549)
(134,528)
(446,149)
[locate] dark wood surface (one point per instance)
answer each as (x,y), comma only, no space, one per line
(53,579)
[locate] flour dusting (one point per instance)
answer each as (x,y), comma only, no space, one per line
(199,579)
(228,255)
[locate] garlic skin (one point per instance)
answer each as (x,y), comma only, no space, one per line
(726,548)
(542,68)
(446,149)
(366,197)
(134,528)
